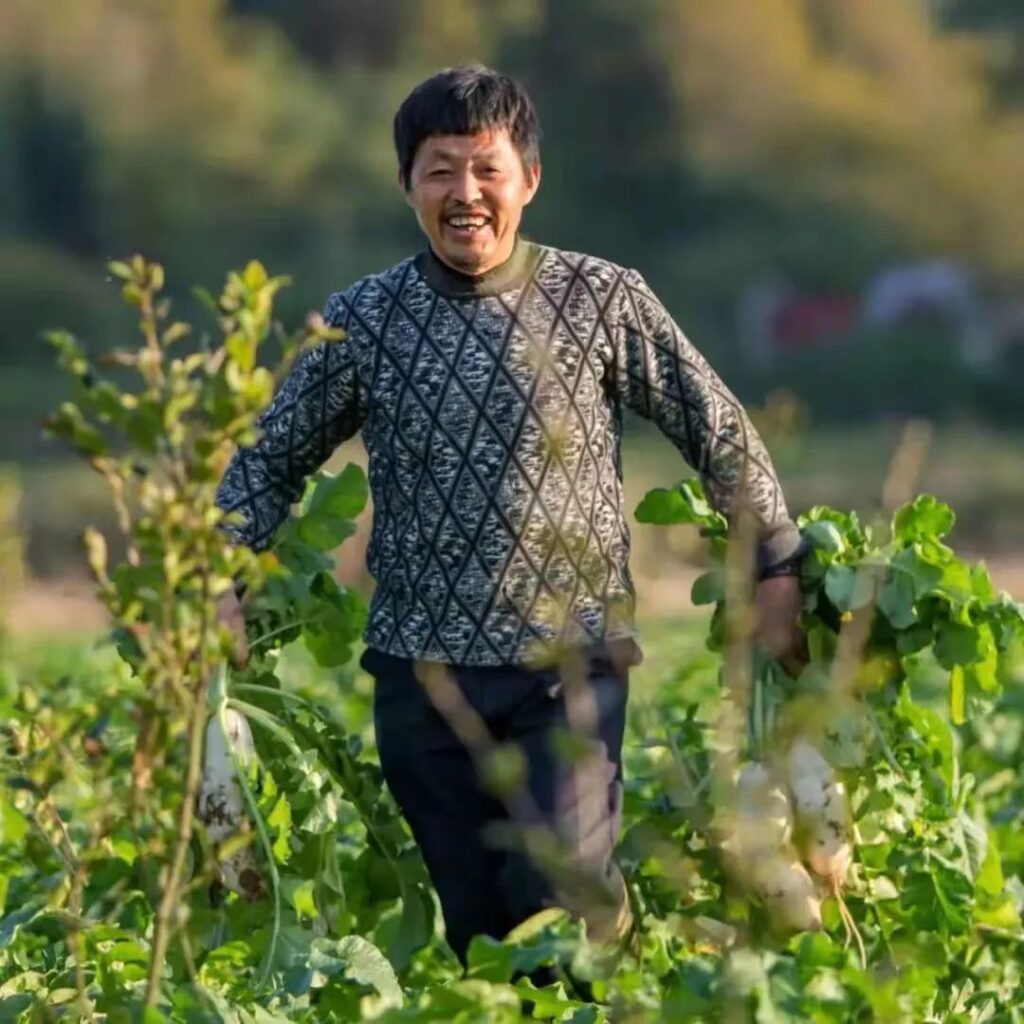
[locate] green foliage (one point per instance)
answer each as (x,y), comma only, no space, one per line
(684,503)
(100,752)
(932,876)
(935,895)
(162,449)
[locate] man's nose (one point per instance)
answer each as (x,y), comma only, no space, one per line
(466,188)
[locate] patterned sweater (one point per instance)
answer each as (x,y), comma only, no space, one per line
(491,410)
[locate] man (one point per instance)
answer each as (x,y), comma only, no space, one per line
(488,376)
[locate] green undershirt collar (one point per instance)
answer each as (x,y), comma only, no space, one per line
(511,274)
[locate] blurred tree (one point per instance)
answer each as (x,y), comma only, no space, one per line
(708,143)
(328,32)
(612,178)
(384,34)
(1000,23)
(53,161)
(862,104)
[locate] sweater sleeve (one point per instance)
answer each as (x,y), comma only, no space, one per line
(662,377)
(321,403)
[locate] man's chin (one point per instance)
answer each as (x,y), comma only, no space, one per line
(467,259)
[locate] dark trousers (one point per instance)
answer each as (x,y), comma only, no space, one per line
(487,882)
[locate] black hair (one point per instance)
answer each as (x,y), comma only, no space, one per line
(463,101)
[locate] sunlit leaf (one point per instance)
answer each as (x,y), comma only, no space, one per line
(925,518)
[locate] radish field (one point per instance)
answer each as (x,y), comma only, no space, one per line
(187,840)
(355,933)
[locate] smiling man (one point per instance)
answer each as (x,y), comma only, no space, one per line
(488,376)
(468,192)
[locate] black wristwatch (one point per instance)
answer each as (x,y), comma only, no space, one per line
(789,566)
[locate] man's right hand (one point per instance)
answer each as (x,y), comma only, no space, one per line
(229,613)
(778,601)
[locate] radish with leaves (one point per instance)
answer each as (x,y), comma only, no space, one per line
(229,743)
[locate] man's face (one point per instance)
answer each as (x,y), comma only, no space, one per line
(468,192)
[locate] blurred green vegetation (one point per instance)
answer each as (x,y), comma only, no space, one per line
(709,144)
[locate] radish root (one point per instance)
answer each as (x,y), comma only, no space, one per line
(849,925)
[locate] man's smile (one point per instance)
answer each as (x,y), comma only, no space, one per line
(466,226)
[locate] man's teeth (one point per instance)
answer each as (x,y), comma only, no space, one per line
(467,222)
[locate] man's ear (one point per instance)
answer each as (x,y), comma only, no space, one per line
(532,181)
(406,194)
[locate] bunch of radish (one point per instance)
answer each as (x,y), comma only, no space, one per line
(783,817)
(758,850)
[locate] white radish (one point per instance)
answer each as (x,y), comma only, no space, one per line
(222,805)
(822,812)
(759,820)
(760,799)
(827,843)
(823,818)
(809,776)
(785,888)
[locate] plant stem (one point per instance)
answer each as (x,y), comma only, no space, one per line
(75,942)
(277,632)
(65,849)
(169,901)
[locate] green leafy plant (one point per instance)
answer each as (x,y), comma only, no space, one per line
(114,902)
(896,624)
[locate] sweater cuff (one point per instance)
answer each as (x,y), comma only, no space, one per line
(781,553)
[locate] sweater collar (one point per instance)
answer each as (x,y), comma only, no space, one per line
(505,277)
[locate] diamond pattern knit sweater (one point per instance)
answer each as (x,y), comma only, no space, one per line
(491,410)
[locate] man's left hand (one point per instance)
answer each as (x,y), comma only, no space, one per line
(778,602)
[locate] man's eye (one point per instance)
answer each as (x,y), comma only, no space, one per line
(438,172)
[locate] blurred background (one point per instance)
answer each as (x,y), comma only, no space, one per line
(826,194)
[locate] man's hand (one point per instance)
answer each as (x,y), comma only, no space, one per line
(778,603)
(229,613)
